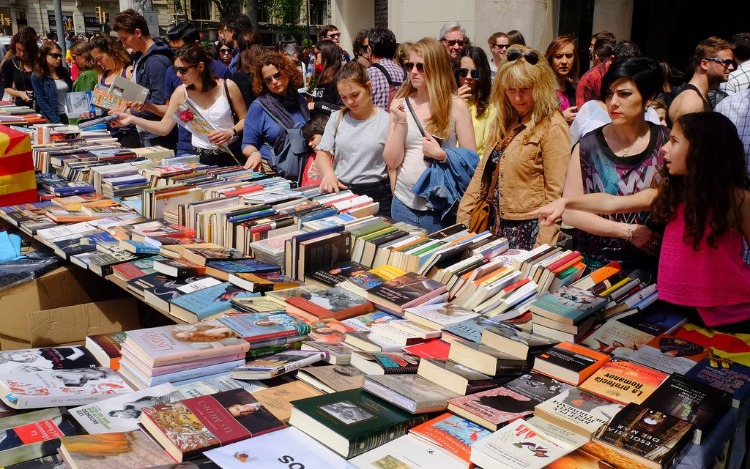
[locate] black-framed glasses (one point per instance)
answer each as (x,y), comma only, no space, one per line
(453,42)
(225,51)
(55,55)
(530,56)
(465,72)
(410,65)
(182,70)
(501,46)
(270,78)
(726,62)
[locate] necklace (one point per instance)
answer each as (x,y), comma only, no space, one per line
(627,150)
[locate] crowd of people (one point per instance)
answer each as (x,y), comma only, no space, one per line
(437,131)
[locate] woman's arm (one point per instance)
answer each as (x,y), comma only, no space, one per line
(395,143)
(162,127)
(464,125)
(47,104)
(596,203)
(324,165)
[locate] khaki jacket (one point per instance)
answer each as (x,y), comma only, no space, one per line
(532,174)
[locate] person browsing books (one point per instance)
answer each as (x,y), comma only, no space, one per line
(50,82)
(350,154)
(18,69)
(704,200)
(213,98)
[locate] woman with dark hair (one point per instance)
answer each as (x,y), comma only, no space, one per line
(275,82)
(526,153)
(620,158)
(243,77)
(562,56)
(87,73)
(704,200)
(474,86)
(215,98)
(51,81)
(223,53)
(18,70)
(350,154)
(516,38)
(322,86)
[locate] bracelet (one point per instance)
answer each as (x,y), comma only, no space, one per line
(629,236)
(234,132)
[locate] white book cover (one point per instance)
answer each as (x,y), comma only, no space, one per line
(121,413)
(407,452)
(442,313)
(284,448)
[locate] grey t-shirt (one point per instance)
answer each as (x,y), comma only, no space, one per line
(62,88)
(358,158)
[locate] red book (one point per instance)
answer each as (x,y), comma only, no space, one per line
(569,362)
(436,348)
(190,427)
(335,302)
(243,190)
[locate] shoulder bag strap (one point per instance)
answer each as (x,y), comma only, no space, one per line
(229,99)
(414,115)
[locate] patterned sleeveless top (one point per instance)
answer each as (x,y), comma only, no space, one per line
(604,172)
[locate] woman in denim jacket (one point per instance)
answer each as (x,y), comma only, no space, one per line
(50,82)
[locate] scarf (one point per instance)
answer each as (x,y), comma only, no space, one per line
(283,106)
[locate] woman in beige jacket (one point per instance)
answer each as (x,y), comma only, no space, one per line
(529,144)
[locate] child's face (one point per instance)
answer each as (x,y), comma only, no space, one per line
(675,152)
(662,113)
(314,141)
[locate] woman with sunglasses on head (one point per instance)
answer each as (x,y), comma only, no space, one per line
(50,81)
(350,154)
(215,98)
(498,44)
(17,71)
(622,157)
(562,56)
(275,82)
(526,153)
(439,120)
(322,87)
(474,86)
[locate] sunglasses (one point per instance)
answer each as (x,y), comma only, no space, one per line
(501,46)
(276,76)
(225,51)
(182,70)
(530,56)
(410,65)
(726,62)
(453,42)
(55,56)
(464,72)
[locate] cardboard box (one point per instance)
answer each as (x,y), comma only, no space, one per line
(61,307)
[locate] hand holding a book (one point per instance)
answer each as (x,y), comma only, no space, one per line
(219,137)
(330,183)
(123,119)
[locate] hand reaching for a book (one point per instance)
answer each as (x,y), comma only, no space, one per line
(123,119)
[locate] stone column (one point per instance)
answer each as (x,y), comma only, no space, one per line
(615,16)
(535,19)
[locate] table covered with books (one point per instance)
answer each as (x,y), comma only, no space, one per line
(309,330)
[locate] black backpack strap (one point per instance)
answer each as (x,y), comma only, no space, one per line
(387,75)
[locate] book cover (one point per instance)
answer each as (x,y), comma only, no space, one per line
(438,315)
(332,378)
(725,375)
(289,446)
(46,358)
(165,345)
(62,387)
(452,433)
(406,291)
(366,279)
(106,348)
(593,455)
(121,413)
(157,288)
(334,302)
(569,305)
(471,329)
(519,445)
(263,326)
(578,410)
(351,422)
(364,322)
(492,408)
(624,381)
(407,451)
(278,399)
(435,348)
(512,339)
(206,302)
(277,364)
(616,338)
(202,256)
(332,276)
(33,435)
(670,354)
(263,282)
(569,362)
(385,363)
(650,436)
(536,387)
(690,400)
(121,449)
(411,392)
(191,426)
(455,376)
(179,268)
(261,304)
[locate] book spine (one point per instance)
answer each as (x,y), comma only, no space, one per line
(194,373)
(189,356)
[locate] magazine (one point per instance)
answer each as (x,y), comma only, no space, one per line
(189,117)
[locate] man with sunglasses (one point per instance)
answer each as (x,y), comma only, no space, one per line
(379,47)
(713,60)
(453,38)
(739,80)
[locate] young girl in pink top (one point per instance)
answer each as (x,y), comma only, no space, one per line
(705,202)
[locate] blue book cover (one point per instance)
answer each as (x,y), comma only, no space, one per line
(264,326)
(569,304)
(139,247)
(725,375)
(86,243)
(212,300)
(242,266)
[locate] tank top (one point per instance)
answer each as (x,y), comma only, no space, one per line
(706,104)
(705,278)
(219,114)
(123,74)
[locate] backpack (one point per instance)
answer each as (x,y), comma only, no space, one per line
(393,86)
(290,149)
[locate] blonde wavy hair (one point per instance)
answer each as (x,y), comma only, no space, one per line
(441,86)
(520,73)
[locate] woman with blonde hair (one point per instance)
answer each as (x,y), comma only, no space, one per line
(526,153)
(426,117)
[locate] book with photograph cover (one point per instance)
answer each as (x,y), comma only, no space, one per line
(206,302)
(512,339)
(452,434)
(31,435)
(254,327)
(410,452)
(351,422)
(670,354)
(569,362)
(593,455)
(120,449)
(438,315)
(46,358)
(568,305)
(492,408)
(189,427)
(335,302)
(334,275)
(405,291)
(332,378)
(106,348)
(578,410)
